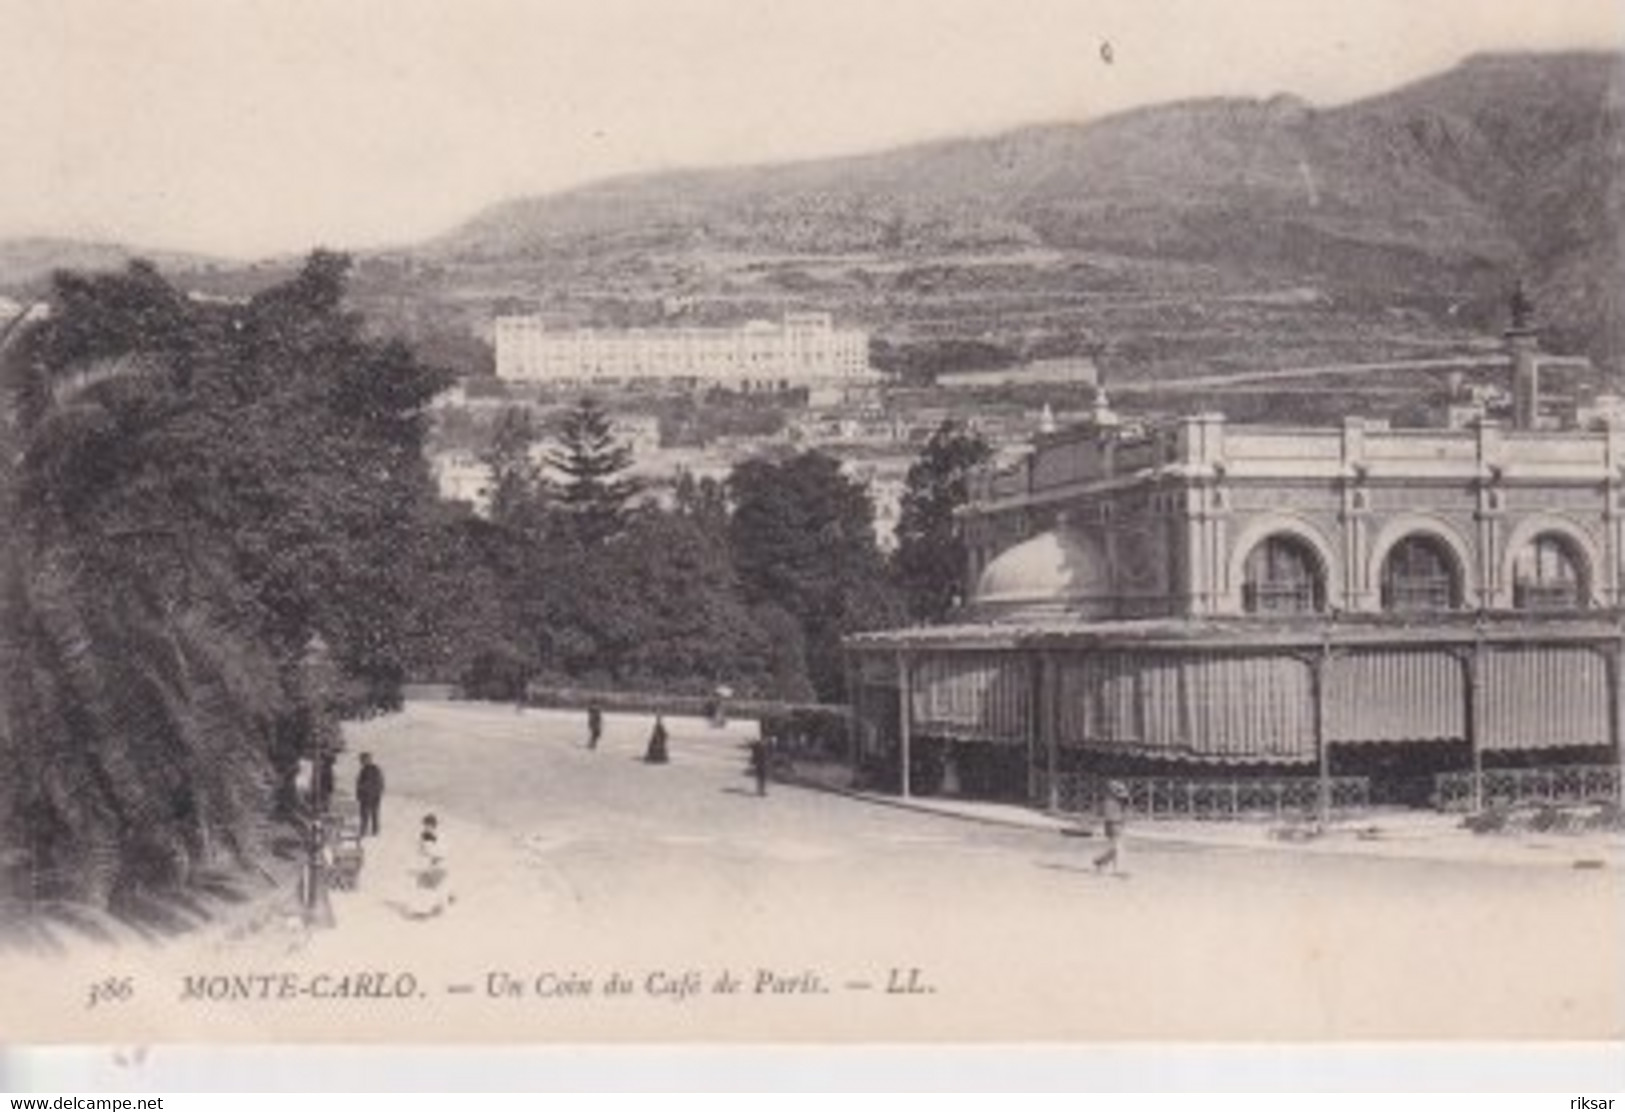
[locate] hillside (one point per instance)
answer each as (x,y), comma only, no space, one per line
(26,264)
(1169,241)
(1167,235)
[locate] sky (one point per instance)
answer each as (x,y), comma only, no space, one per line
(246,128)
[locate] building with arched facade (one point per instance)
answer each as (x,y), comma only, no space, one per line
(1257,617)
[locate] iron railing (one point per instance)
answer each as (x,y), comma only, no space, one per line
(1454,791)
(1170,798)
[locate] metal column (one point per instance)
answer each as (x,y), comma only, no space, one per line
(1051,708)
(1323,785)
(1475,720)
(854,713)
(1616,714)
(905,716)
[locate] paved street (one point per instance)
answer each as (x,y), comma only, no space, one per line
(576,870)
(599,855)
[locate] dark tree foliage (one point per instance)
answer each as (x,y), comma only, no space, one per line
(462,627)
(656,607)
(311,455)
(703,501)
(573,613)
(784,662)
(918,363)
(929,564)
(594,592)
(593,491)
(803,539)
(690,629)
(517,487)
(201,494)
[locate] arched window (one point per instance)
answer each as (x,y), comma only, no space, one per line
(1282,576)
(1547,575)
(1420,574)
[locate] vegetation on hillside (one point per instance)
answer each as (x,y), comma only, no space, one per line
(1434,198)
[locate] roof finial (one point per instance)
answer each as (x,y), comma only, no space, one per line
(1103,414)
(1523,309)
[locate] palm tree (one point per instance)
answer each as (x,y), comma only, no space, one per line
(135,702)
(190,493)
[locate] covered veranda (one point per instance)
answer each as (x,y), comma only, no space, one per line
(1232,716)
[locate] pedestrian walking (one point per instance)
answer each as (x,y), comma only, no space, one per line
(759,758)
(369,793)
(1114,815)
(656,752)
(595,724)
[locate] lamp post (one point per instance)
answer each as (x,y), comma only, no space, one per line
(1475,711)
(1617,713)
(315,665)
(1319,667)
(905,715)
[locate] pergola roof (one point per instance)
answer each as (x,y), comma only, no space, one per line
(1060,631)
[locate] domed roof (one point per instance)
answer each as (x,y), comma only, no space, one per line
(1059,566)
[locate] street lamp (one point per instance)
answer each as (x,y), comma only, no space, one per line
(314,666)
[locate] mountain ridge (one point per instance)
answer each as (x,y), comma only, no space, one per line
(25,259)
(1178,126)
(1412,211)
(1435,197)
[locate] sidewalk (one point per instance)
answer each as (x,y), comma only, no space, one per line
(1407,835)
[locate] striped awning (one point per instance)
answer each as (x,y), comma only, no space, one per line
(973,696)
(1396,696)
(1544,697)
(1233,708)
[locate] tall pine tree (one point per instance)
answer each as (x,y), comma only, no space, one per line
(594,492)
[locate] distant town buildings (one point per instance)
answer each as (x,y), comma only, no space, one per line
(803,350)
(638,432)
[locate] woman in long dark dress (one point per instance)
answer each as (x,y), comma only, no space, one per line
(656,753)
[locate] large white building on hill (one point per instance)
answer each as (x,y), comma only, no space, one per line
(803,350)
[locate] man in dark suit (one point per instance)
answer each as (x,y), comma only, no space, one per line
(369,792)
